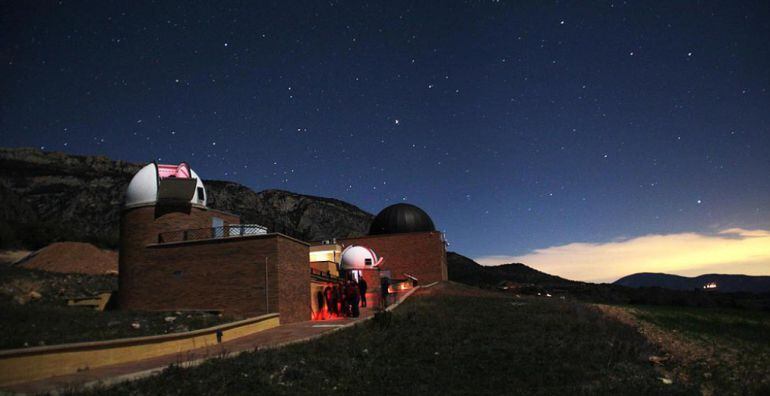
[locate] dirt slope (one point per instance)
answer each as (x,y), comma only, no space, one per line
(72,257)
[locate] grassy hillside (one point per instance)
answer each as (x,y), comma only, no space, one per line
(446,340)
(725,350)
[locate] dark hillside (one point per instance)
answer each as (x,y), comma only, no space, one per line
(531,281)
(306,217)
(464,270)
(724,283)
(50,197)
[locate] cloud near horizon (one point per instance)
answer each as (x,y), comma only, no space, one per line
(730,251)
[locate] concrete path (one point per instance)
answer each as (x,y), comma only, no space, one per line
(271,338)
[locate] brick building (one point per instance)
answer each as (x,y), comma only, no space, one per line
(178,254)
(419,254)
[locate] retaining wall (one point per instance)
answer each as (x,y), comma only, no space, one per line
(29,364)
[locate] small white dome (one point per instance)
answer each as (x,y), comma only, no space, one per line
(143,188)
(359,257)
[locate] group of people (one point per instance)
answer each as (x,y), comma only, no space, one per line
(345,298)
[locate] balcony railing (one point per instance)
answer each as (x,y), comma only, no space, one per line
(196,234)
(323,275)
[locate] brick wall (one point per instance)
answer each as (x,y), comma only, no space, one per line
(225,274)
(421,254)
(372,278)
(140,227)
(293,280)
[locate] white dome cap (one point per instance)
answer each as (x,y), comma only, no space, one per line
(355,257)
(143,188)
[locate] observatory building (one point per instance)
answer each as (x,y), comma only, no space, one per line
(405,237)
(176,253)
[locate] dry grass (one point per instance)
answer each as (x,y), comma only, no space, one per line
(720,351)
(449,340)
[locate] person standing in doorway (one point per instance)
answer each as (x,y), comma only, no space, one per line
(319,296)
(362,286)
(331,304)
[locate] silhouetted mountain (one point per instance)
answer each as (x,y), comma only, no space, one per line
(522,279)
(49,196)
(724,283)
(464,270)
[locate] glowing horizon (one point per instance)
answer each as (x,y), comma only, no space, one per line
(729,251)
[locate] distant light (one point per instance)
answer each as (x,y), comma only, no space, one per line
(699,201)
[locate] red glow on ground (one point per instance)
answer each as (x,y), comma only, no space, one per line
(325,315)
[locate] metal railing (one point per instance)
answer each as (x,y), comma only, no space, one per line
(323,275)
(196,234)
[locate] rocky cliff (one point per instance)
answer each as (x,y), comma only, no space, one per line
(49,196)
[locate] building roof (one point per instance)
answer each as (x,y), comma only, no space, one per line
(158,182)
(401,218)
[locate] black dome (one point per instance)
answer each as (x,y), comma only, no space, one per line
(401,218)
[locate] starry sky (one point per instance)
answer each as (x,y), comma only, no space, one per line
(517,126)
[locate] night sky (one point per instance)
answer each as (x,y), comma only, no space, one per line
(516,127)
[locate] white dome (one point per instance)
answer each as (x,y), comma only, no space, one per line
(143,188)
(355,257)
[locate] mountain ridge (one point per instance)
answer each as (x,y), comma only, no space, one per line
(48,197)
(724,282)
(466,270)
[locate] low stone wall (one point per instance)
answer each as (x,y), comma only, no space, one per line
(29,364)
